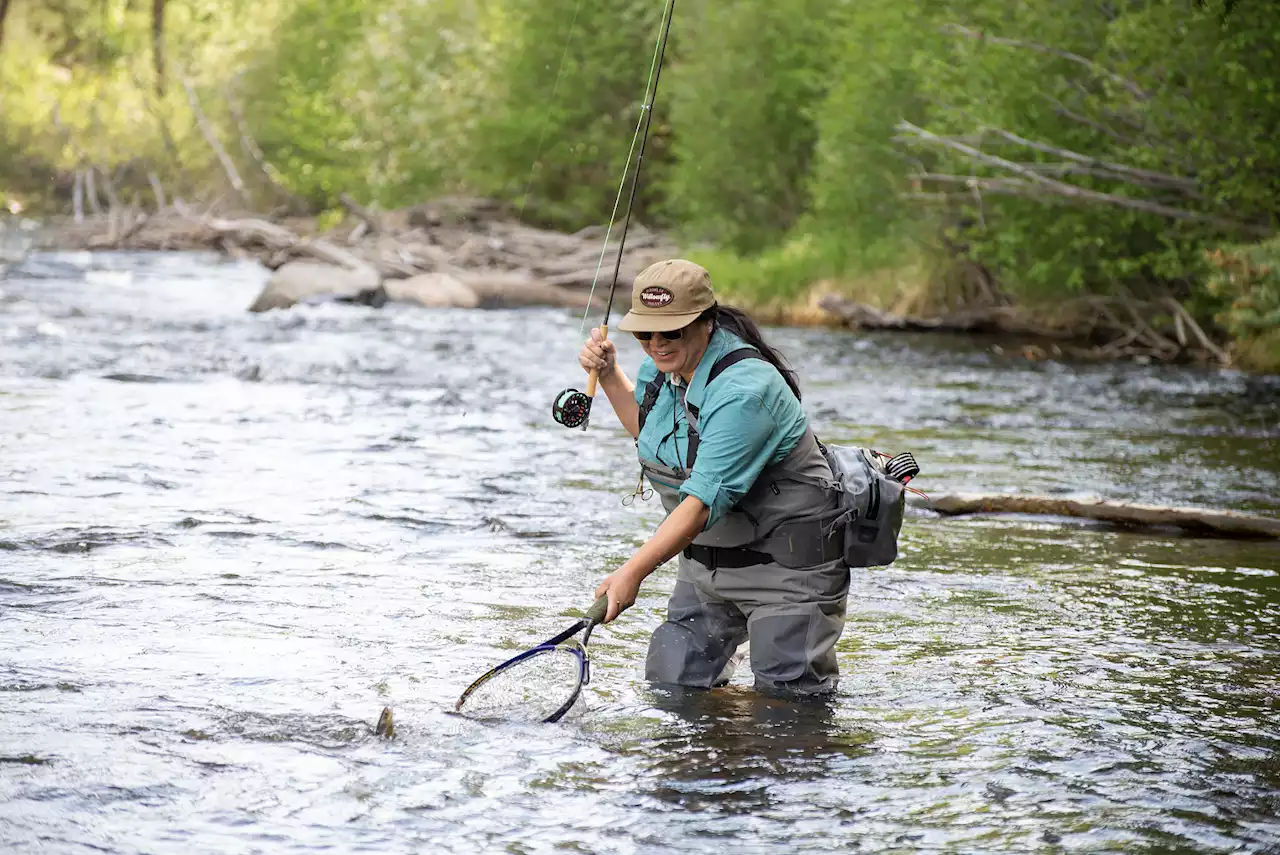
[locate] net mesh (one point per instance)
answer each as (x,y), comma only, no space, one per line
(528,691)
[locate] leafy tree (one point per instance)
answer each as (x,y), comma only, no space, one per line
(568,82)
(743,99)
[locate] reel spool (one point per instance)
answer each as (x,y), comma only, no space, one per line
(902,467)
(571,409)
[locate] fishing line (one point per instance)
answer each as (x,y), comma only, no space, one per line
(572,408)
(622,187)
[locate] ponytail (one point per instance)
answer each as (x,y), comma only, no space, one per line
(740,324)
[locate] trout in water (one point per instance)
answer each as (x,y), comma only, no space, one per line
(386,727)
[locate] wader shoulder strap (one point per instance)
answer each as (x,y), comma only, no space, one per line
(733,357)
(651,392)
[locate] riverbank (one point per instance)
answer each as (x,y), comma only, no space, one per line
(468,252)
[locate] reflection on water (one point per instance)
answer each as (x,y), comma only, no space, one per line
(723,751)
(227,541)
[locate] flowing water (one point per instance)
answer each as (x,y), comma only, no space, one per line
(227,541)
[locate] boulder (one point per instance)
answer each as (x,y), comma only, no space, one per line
(297,281)
(433,290)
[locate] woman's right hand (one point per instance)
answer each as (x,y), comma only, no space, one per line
(598,354)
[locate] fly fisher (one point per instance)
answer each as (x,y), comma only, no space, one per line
(751,516)
(765,520)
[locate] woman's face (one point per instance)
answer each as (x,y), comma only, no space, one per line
(680,355)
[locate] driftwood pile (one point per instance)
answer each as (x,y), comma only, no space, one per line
(1216,523)
(1091,328)
(450,252)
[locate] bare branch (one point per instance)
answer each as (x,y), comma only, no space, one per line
(211,137)
(109,189)
(1157,179)
(1184,317)
(1101,71)
(92,189)
(1071,191)
(158,189)
(251,148)
(368,218)
(77,197)
(1012,186)
(1092,165)
(1064,111)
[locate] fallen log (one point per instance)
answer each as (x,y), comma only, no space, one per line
(980,319)
(1218,523)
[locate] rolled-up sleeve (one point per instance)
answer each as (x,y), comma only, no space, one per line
(738,438)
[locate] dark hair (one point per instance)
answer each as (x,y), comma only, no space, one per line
(740,324)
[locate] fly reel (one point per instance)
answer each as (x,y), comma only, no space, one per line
(571,409)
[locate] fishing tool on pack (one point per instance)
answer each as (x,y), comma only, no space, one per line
(571,407)
(540,684)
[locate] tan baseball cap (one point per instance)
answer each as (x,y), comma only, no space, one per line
(667,296)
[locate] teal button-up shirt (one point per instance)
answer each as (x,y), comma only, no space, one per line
(749,419)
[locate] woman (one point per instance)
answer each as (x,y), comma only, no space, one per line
(722,438)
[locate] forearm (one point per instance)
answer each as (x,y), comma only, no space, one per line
(676,532)
(622,396)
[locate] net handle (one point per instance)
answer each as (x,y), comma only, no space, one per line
(598,610)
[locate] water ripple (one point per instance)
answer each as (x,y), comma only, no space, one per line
(228,540)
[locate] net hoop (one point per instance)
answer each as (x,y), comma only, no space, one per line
(571,645)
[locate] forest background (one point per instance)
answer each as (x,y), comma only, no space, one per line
(919,154)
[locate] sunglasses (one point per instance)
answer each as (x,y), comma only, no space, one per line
(674,335)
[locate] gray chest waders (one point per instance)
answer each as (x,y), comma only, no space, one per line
(769,572)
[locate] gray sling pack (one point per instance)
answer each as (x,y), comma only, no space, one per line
(871,485)
(873,500)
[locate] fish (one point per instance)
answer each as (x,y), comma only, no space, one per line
(385,727)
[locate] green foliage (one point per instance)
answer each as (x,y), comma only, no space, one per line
(299,105)
(1146,86)
(859,173)
(743,97)
(1244,286)
(569,79)
(1245,282)
(77,83)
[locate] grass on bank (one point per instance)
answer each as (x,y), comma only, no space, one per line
(784,284)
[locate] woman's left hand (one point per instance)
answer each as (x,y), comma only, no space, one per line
(622,586)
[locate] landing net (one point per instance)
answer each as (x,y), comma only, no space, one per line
(540,686)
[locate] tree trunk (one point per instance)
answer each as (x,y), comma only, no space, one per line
(4,11)
(157,41)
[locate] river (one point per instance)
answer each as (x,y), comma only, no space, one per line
(228,540)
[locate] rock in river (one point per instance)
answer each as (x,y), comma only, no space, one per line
(303,280)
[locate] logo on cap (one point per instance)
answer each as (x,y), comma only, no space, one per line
(655,298)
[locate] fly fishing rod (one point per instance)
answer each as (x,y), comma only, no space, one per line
(573,408)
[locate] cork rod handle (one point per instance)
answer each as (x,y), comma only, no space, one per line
(595,374)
